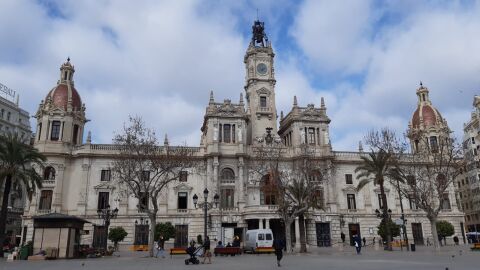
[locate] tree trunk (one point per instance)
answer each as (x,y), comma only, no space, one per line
(433,225)
(151,238)
(288,235)
(301,226)
(4,211)
(386,217)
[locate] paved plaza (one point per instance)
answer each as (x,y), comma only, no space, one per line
(317,258)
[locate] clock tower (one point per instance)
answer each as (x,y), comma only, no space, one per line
(260,84)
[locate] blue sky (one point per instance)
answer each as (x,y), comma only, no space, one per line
(160,59)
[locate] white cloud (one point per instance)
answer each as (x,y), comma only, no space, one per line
(436,44)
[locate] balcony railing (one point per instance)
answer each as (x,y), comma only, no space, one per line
(48,182)
(44,211)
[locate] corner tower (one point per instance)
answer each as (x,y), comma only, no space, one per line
(260,84)
(427,128)
(61,116)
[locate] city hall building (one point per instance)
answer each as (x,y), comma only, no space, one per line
(78,180)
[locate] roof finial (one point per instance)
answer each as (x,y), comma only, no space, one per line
(89,137)
(322,103)
(360,146)
(241,99)
(68,59)
(165,142)
(281,115)
(421,84)
(295,101)
(211,98)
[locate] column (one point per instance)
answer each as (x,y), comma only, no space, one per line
(260,223)
(267,223)
(60,135)
(241,183)
(297,233)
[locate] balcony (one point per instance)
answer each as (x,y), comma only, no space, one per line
(44,211)
(48,183)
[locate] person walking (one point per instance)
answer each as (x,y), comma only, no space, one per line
(358,243)
(342,236)
(364,241)
(160,246)
(206,250)
(278,245)
(456,240)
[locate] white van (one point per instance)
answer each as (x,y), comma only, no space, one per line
(261,238)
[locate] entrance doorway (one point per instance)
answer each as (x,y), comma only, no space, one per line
(141,234)
(323,234)
(417,233)
(99,237)
(278,228)
(353,229)
(181,236)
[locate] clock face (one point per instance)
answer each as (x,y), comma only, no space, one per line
(262,69)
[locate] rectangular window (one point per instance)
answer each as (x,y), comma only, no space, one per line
(143,201)
(183,176)
(182,200)
(473,140)
(55,134)
(411,200)
(263,102)
(433,144)
(105,175)
(39,130)
(226,133)
(268,236)
(103,200)
(351,201)
(311,135)
(348,179)
(261,236)
(227,198)
(45,200)
(233,133)
(145,176)
(75,134)
(220,135)
(445,202)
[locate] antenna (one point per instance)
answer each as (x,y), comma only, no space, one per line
(257,14)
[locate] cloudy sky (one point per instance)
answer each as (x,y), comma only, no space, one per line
(160,59)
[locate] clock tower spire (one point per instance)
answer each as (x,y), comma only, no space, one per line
(260,84)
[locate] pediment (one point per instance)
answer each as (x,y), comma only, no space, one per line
(183,187)
(104,186)
(377,190)
(263,91)
(350,189)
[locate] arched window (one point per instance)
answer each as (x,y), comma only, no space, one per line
(49,173)
(315,176)
(227,176)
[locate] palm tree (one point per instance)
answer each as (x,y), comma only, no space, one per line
(16,159)
(374,168)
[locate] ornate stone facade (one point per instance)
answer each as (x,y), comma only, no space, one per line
(230,131)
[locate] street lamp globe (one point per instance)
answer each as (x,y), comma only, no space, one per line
(205,193)
(195,200)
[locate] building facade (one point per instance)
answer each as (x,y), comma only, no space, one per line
(14,119)
(78,179)
(468,183)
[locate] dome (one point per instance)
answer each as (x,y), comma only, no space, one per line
(425,111)
(428,113)
(61,94)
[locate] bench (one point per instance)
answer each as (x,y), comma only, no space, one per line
(178,251)
(476,247)
(227,251)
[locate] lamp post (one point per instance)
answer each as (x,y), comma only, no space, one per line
(106,215)
(385,216)
(206,205)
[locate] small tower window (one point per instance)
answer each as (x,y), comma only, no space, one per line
(423,97)
(55,135)
(434,144)
(75,134)
(65,76)
(263,102)
(39,131)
